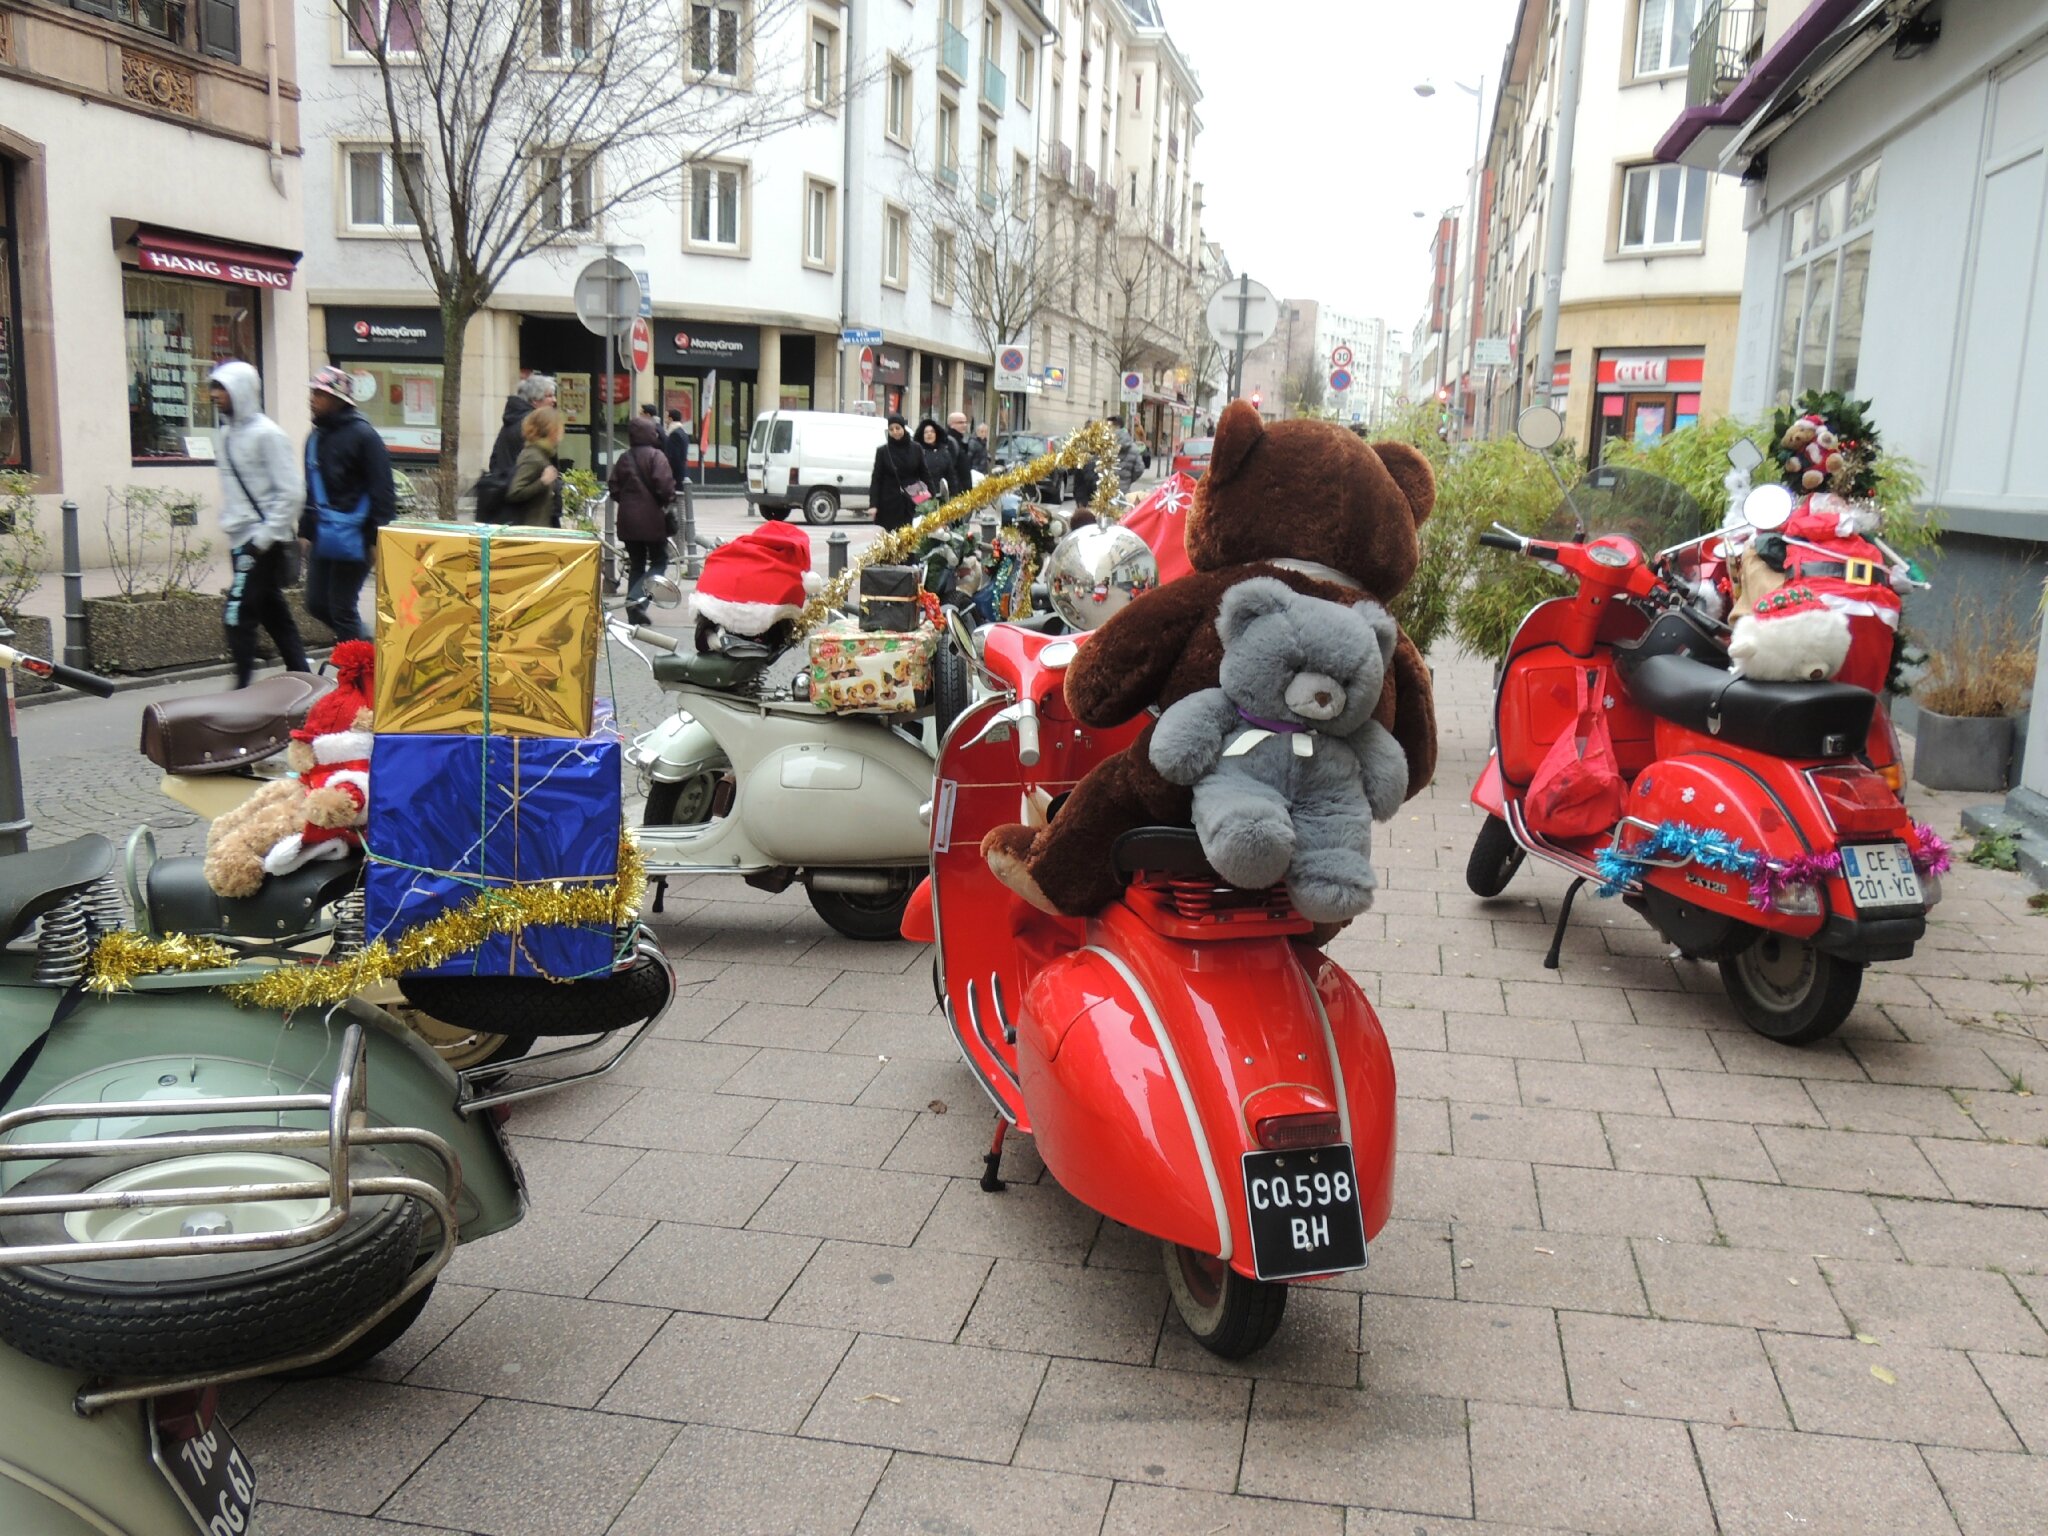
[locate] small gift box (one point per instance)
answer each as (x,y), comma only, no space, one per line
(855,672)
(888,598)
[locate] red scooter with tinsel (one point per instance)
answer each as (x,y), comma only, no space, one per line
(1743,819)
(1185,1061)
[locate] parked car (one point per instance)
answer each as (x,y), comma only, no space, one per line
(1193,458)
(1014,448)
(817,460)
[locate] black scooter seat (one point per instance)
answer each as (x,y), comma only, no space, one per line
(180,900)
(32,883)
(1173,851)
(708,669)
(1783,719)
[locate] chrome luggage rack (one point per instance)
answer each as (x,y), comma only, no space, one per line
(345,1106)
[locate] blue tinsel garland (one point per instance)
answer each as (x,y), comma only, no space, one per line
(1674,839)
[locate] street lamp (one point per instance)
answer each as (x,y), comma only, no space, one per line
(1477,92)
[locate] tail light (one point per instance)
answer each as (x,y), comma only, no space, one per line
(1291,1133)
(1856,799)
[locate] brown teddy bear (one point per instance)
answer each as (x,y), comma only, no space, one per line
(237,842)
(1305,501)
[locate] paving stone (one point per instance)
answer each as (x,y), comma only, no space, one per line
(889,1034)
(1026,1221)
(811,1027)
(1977,1236)
(921,1293)
(1457,1075)
(1766,1482)
(922,1494)
(723,1482)
(1422,1126)
(826,1133)
(866,993)
(1885,1165)
(569,1175)
(1407,1258)
(1136,1509)
(273,1519)
(681,1122)
(1808,1221)
(1326,1445)
(1993,1495)
(954,1144)
(447,1306)
(1137,1425)
(691,1065)
(1058,1309)
(691,1018)
(700,1188)
(730,1371)
(1461,1349)
(544,1349)
(1732,1096)
(1453,994)
(1540,1135)
(708,1269)
(346,1445)
(1466,1189)
(812,1076)
(1623,1204)
(835,952)
(1893,1109)
(1569,1000)
(564,1253)
(1648,1045)
(1546,1269)
(1934,1397)
(1670,1370)
(919,1396)
(2020,1384)
(910,1082)
(1959,1064)
(1317,1342)
(1591,1085)
(1991,1173)
(1750,1289)
(1743,1050)
(2021,1117)
(1948,1308)
(1411,1029)
(568,1116)
(1381,1522)
(524,1469)
(860,1204)
(1496,1034)
(790,984)
(1531,1464)
(1688,1147)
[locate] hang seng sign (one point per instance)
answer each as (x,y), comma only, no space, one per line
(220,264)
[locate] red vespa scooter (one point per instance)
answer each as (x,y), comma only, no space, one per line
(1186,1063)
(1754,830)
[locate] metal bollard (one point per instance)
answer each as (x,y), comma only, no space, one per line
(74,590)
(835,553)
(693,553)
(14,822)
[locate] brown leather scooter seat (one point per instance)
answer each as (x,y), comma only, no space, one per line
(220,732)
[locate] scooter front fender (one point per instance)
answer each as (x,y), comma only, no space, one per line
(679,748)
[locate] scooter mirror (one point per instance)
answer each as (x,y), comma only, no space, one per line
(1767,507)
(1745,455)
(664,591)
(1539,427)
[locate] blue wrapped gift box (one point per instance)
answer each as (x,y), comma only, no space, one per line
(451,815)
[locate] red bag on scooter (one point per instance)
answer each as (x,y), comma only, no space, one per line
(1577,789)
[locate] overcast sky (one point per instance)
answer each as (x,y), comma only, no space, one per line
(1315,150)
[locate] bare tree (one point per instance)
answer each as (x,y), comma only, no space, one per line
(516,128)
(1132,268)
(1302,388)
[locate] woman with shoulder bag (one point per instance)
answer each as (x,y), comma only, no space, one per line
(642,484)
(897,485)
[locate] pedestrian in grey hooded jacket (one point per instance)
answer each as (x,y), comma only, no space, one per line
(262,490)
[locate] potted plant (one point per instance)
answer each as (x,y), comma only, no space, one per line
(1975,682)
(158,618)
(23,550)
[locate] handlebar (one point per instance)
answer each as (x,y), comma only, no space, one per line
(56,671)
(1506,541)
(1027,733)
(656,639)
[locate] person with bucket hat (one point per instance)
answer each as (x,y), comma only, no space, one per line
(349,496)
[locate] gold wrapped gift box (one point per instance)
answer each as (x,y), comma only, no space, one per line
(484,629)
(870,672)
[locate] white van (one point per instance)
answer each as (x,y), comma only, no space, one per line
(818,460)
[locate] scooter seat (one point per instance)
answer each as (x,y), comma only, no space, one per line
(1175,851)
(32,883)
(219,732)
(180,900)
(708,669)
(1784,719)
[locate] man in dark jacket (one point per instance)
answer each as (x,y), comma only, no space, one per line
(676,444)
(971,451)
(349,487)
(534,389)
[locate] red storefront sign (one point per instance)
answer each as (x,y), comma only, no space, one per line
(1651,371)
(178,255)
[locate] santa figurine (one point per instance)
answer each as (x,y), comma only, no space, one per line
(755,582)
(331,754)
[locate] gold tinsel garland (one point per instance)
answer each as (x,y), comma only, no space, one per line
(121,957)
(1095,441)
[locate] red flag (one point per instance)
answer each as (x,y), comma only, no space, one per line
(1161,521)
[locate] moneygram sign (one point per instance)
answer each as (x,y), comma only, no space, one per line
(385,333)
(680,344)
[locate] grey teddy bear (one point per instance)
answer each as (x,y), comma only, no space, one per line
(1288,766)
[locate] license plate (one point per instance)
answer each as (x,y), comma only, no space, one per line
(1305,1215)
(206,1467)
(1881,875)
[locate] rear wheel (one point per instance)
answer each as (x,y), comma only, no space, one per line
(1495,858)
(775,514)
(1228,1314)
(864,915)
(1791,992)
(685,803)
(821,506)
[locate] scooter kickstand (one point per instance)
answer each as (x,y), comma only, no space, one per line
(660,891)
(994,1159)
(1564,916)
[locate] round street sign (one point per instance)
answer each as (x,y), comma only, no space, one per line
(1340,379)
(607,294)
(1341,358)
(1011,360)
(1134,388)
(1260,313)
(640,344)
(867,365)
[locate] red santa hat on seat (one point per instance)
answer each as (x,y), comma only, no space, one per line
(756,581)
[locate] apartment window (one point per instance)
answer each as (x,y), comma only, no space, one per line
(568,192)
(895,247)
(1826,275)
(392,24)
(819,223)
(376,192)
(987,176)
(896,120)
(991,36)
(1663,208)
(944,255)
(1057,125)
(717,193)
(1020,186)
(821,84)
(949,140)
(1664,35)
(715,39)
(1027,74)
(566,29)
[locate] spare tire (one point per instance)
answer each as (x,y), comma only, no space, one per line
(535,1006)
(205,1312)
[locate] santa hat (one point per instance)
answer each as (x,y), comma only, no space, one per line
(756,581)
(1824,515)
(1792,636)
(330,728)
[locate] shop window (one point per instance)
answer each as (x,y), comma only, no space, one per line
(895,247)
(717,206)
(715,39)
(377,202)
(13,369)
(820,223)
(177,330)
(1664,35)
(567,201)
(389,28)
(403,402)
(821,82)
(566,29)
(1823,287)
(1663,208)
(896,122)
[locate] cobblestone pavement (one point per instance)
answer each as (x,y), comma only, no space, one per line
(1647,1272)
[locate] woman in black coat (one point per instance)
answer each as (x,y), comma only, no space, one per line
(641,486)
(899,464)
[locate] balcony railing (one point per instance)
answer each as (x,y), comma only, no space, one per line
(995,88)
(1066,164)
(1725,44)
(1173,146)
(953,51)
(1088,181)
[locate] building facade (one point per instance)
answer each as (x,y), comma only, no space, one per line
(150,217)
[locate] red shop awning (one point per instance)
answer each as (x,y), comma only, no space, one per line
(179,255)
